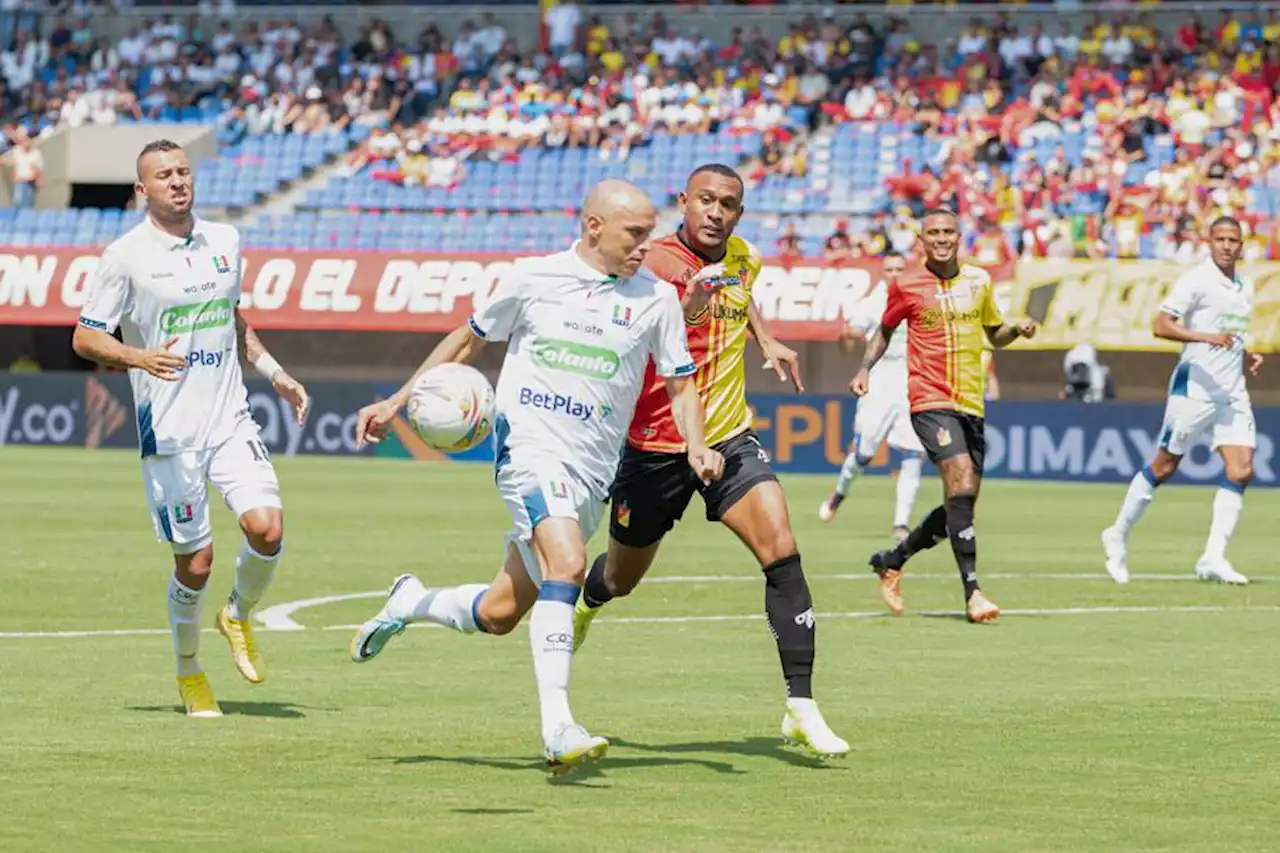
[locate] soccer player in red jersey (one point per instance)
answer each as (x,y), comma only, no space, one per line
(714,271)
(949,309)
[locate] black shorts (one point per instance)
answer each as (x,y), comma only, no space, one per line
(946,433)
(652,489)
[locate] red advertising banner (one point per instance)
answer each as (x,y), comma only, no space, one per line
(382,291)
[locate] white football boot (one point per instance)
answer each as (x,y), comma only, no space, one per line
(803,726)
(1117,555)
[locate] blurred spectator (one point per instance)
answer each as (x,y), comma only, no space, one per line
(26,169)
(1087,379)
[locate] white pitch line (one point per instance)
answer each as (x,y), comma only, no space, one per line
(742,617)
(279,617)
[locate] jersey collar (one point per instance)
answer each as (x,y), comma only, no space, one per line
(172,243)
(585,271)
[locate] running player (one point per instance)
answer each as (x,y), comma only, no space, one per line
(948,307)
(553,469)
(714,272)
(884,413)
(172,285)
(1208,311)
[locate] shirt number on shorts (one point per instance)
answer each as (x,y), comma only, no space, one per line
(259,450)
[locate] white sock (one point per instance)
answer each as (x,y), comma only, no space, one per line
(849,472)
(908,485)
(453,606)
(254,572)
(1142,488)
(184,623)
(551,639)
(1227,504)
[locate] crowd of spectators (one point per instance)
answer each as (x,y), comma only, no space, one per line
(1002,100)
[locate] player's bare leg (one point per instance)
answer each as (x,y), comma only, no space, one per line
(613,574)
(256,564)
(1227,506)
(761,520)
(191,574)
(1142,489)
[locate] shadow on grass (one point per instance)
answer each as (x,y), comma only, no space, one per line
(279,710)
(593,770)
(753,747)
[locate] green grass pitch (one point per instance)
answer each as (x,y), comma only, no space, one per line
(1091,718)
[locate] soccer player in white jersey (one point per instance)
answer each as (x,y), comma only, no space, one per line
(560,426)
(172,287)
(1208,311)
(884,412)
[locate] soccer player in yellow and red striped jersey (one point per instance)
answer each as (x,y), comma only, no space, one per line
(714,271)
(951,314)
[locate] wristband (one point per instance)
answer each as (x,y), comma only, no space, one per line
(267,366)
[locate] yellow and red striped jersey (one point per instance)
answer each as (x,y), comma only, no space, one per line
(946,336)
(717,341)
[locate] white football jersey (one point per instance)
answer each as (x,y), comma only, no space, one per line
(153,287)
(578,343)
(871,309)
(1204,300)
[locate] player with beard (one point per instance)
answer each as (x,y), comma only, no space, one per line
(950,310)
(714,272)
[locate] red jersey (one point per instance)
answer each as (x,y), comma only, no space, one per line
(717,341)
(946,336)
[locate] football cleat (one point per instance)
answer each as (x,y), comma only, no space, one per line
(1218,569)
(804,726)
(571,747)
(1117,555)
(197,696)
(830,507)
(981,609)
(582,616)
(244,648)
(372,637)
(890,591)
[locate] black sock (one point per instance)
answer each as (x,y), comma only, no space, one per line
(594,591)
(964,542)
(928,533)
(790,611)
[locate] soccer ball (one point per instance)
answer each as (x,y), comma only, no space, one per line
(451,407)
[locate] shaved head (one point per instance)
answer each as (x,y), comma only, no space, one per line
(614,196)
(617,219)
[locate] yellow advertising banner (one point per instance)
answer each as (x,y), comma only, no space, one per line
(1112,304)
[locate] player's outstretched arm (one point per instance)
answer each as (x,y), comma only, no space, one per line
(98,346)
(777,355)
(689,416)
(253,351)
(1167,327)
(459,346)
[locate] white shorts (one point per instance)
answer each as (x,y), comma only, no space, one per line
(178,487)
(1186,419)
(884,414)
(534,489)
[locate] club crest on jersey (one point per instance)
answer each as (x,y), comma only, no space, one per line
(944,437)
(183,513)
(622,316)
(221,264)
